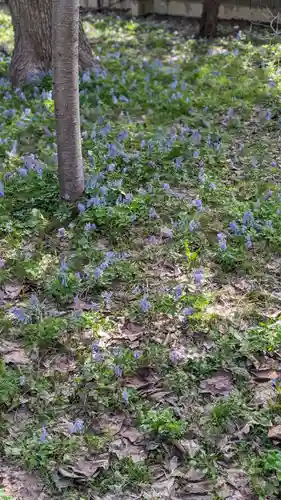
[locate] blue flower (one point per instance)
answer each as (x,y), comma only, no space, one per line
(153,214)
(144,304)
(90,227)
(248,242)
(44,435)
(22,380)
(248,218)
(98,273)
(125,396)
(222,241)
(198,277)
(81,207)
(193,225)
(166,186)
(178,292)
(61,232)
(137,354)
(234,228)
(118,371)
(78,426)
(199,205)
(19,313)
(2,192)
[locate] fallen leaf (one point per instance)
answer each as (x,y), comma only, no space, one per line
(194,475)
(197,488)
(264,393)
(13,353)
(188,447)
(238,478)
(275,432)
(85,469)
(266,375)
(123,449)
(220,383)
(165,487)
(12,290)
(132,434)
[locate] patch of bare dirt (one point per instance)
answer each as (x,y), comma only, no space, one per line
(21,485)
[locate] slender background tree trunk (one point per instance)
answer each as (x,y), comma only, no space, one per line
(65,41)
(209,19)
(32,22)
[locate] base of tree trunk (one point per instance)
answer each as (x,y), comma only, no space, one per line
(209,19)
(32,56)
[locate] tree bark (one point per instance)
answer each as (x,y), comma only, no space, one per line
(65,39)
(209,19)
(32,22)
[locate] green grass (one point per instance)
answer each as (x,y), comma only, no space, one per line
(119,311)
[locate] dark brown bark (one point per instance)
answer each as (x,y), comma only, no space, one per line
(209,19)
(65,40)
(32,22)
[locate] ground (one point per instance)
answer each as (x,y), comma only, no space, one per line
(140,331)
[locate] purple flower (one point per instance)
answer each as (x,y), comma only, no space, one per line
(178,162)
(175,356)
(22,171)
(125,396)
(188,311)
(193,225)
(153,214)
(268,224)
(222,241)
(178,292)
(118,371)
(1,189)
(137,354)
(22,380)
(98,273)
(2,263)
(144,304)
(104,131)
(196,154)
(196,137)
(19,313)
(81,208)
(198,277)
(166,186)
(44,434)
(247,219)
(61,232)
(90,227)
(234,228)
(199,205)
(248,242)
(107,296)
(78,426)
(268,194)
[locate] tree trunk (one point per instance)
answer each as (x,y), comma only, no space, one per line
(65,39)
(209,19)
(32,22)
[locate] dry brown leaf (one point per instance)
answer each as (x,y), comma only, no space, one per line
(123,449)
(275,432)
(238,478)
(188,447)
(164,487)
(264,393)
(12,290)
(220,383)
(197,488)
(266,375)
(132,434)
(13,353)
(85,469)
